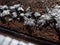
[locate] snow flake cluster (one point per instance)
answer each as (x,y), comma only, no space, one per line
(56,13)
(30,18)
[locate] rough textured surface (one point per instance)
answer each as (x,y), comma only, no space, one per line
(36,5)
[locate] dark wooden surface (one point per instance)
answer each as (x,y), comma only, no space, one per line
(21,36)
